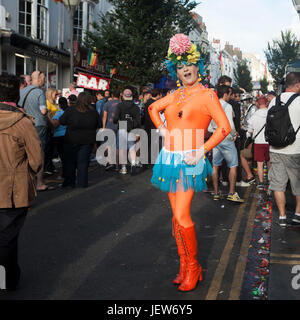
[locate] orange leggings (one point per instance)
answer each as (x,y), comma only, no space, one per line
(181,206)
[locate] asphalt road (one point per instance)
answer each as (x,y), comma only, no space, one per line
(113,241)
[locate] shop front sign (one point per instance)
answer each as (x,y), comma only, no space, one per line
(92,82)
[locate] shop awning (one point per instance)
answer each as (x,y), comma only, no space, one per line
(29,46)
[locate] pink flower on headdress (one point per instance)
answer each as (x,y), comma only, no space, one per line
(180,43)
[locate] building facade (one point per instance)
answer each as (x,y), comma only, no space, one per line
(223,61)
(214,67)
(258,69)
(199,34)
(35,35)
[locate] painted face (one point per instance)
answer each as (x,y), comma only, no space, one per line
(187,73)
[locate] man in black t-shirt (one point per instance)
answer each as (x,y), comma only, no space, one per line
(127,111)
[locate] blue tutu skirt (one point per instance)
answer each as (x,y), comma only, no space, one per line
(172,174)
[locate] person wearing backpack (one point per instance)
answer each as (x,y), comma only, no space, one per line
(282,133)
(256,129)
(33,101)
(127,111)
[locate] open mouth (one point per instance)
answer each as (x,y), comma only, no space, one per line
(187,75)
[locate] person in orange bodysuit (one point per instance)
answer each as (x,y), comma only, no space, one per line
(181,167)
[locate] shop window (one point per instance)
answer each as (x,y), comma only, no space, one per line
(49,69)
(42,65)
(52,74)
(19,65)
(42,20)
(30,64)
(25,10)
(78,23)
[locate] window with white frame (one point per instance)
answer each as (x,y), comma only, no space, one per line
(78,23)
(25,16)
(33,18)
(42,20)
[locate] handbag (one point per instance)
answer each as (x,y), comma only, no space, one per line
(248,150)
(250,140)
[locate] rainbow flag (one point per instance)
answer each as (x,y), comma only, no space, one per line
(111,70)
(92,58)
(221,62)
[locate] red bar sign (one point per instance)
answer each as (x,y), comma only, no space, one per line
(92,82)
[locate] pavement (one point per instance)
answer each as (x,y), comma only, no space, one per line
(113,241)
(284,282)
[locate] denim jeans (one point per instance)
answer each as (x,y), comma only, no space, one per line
(225,150)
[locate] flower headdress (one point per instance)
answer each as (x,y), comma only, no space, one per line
(182,50)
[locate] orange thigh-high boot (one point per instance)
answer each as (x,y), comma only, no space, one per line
(187,240)
(193,270)
(181,253)
(180,247)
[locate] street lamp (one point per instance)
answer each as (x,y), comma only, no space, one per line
(297,6)
(71,6)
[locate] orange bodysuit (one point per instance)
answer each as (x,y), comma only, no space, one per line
(189,108)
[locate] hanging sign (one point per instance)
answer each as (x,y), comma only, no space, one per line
(91,82)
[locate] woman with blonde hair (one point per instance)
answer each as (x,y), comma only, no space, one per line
(52,107)
(51,95)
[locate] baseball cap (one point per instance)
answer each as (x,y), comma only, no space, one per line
(127,93)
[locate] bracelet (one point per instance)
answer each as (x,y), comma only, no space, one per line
(159,127)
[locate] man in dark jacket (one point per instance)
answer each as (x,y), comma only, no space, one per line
(21,159)
(128,116)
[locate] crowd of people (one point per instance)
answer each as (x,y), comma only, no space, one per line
(66,131)
(68,135)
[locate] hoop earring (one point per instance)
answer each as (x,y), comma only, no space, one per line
(178,83)
(199,77)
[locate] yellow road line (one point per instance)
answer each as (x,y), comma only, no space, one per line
(285,255)
(287,262)
(241,264)
(219,273)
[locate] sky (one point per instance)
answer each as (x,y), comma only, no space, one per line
(248,24)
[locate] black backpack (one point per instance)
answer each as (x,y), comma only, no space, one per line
(279,130)
(130,121)
(129,118)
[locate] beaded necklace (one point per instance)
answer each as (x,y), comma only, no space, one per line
(188,95)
